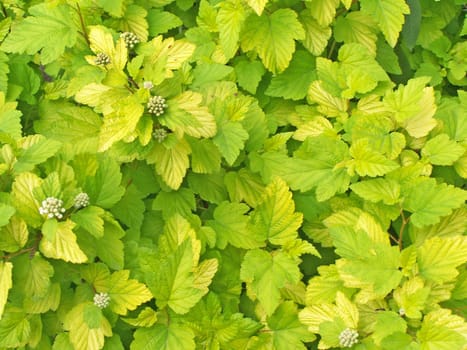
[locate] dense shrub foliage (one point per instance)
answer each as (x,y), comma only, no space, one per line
(233,174)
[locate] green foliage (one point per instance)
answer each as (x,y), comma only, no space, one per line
(233,174)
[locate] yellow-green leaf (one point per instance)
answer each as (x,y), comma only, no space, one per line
(87,327)
(126,294)
(5,283)
(267,36)
(275,216)
(59,242)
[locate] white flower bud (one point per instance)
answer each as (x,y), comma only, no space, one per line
(52,207)
(348,338)
(101,300)
(130,39)
(157,105)
(81,200)
(102,59)
(148,85)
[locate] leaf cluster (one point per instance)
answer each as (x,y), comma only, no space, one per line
(233,174)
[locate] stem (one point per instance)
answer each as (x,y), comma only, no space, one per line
(30,250)
(83,26)
(132,82)
(4,11)
(405,221)
(19,252)
(394,238)
(331,49)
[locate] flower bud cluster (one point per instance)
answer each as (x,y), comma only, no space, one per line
(101,300)
(81,200)
(157,105)
(102,59)
(52,207)
(130,39)
(348,338)
(159,134)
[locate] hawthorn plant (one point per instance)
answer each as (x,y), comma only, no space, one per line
(233,174)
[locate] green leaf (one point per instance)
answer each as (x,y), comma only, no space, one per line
(172,284)
(316,36)
(90,219)
(287,330)
(230,20)
(439,257)
(173,274)
(206,73)
(257,5)
(59,242)
(114,8)
(293,83)
(230,139)
(161,22)
(413,106)
(6,212)
(372,266)
(360,68)
(356,27)
(15,328)
(323,288)
(210,187)
(22,195)
(412,297)
(275,217)
(411,27)
(441,330)
(6,283)
(376,190)
(36,149)
(368,162)
(267,36)
(440,150)
(87,327)
(62,342)
(387,323)
(389,15)
(316,164)
(323,11)
(180,202)
(249,74)
(68,123)
(14,235)
(164,337)
(387,58)
(103,187)
(328,104)
(375,128)
(266,273)
(171,162)
(110,247)
(133,199)
(126,294)
(244,186)
(428,201)
(33,33)
(134,20)
(205,157)
(10,118)
(120,124)
(449,226)
(34,275)
(146,318)
(233,226)
(4,69)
